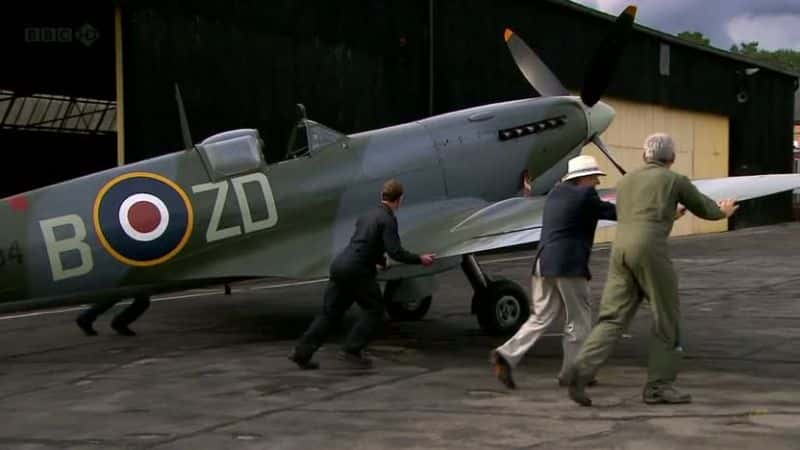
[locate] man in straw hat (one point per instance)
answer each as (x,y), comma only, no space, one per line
(560,278)
(640,267)
(352,279)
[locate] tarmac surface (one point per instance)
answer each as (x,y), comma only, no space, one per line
(209,371)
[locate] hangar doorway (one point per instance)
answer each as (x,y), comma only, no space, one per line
(58,106)
(702,151)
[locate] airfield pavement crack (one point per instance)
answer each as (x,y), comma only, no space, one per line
(90,343)
(613,430)
(68,382)
(57,443)
(548,443)
(760,287)
(102,371)
(567,417)
(45,351)
(290,408)
(748,355)
(741,359)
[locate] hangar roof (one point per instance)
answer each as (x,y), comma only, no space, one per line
(676,40)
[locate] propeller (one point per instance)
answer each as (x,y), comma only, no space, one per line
(598,73)
(534,70)
(599,143)
(606,58)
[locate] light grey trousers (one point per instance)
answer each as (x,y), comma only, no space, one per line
(550,298)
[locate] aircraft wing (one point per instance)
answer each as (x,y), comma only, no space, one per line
(485,226)
(457,227)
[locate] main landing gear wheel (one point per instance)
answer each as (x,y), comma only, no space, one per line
(404,310)
(502,307)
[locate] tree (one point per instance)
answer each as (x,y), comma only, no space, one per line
(784,58)
(746,48)
(694,36)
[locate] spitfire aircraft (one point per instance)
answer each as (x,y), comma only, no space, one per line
(215,212)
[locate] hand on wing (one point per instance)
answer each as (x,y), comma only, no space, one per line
(680,211)
(427,259)
(728,206)
(382,264)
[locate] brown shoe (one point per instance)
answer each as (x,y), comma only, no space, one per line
(502,370)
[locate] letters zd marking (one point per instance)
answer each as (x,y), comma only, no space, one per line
(213,232)
(74,238)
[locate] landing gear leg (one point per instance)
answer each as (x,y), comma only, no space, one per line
(501,305)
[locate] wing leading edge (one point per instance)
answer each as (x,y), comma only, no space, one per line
(516,221)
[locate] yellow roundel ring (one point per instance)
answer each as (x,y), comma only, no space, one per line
(142,218)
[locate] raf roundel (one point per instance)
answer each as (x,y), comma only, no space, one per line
(143,219)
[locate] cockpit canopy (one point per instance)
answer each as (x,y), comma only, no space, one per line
(308,137)
(232,153)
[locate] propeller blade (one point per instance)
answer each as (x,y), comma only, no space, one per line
(602,146)
(534,70)
(606,57)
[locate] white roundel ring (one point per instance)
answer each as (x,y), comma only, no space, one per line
(143,217)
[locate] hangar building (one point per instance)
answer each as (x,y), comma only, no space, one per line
(90,85)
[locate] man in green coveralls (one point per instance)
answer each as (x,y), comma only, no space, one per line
(640,267)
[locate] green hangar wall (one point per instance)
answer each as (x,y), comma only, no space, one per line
(364,64)
(355,65)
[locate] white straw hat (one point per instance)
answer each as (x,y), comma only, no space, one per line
(581,166)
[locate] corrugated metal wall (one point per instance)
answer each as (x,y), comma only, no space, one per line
(364,64)
(355,65)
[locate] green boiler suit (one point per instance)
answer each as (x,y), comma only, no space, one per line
(641,267)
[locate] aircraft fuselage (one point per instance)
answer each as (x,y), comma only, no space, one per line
(172,221)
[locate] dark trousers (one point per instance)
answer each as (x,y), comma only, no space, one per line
(125,318)
(339,296)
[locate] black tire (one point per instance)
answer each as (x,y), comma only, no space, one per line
(401,311)
(502,307)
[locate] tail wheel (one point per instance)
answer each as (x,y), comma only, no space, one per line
(405,310)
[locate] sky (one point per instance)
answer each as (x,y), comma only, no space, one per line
(774,24)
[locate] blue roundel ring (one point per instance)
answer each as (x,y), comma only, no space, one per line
(142,218)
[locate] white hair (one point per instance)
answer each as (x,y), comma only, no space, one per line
(659,147)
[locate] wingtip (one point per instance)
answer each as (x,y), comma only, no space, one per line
(507,34)
(630,10)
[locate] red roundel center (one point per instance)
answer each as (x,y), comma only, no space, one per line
(144,217)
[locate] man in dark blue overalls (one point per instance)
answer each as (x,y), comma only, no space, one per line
(352,279)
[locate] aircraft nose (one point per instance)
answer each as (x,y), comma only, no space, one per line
(599,117)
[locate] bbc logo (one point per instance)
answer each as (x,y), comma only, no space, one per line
(86,35)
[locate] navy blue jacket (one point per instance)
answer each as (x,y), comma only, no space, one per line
(375,234)
(568,225)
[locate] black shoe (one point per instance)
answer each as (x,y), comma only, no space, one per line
(303,363)
(86,327)
(123,330)
(502,369)
(577,389)
(358,360)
